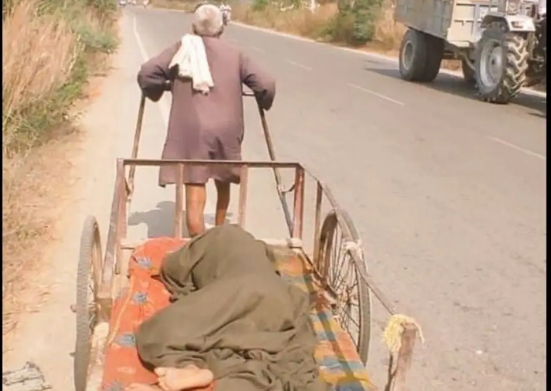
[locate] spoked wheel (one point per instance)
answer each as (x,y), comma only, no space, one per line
(341,278)
(88,281)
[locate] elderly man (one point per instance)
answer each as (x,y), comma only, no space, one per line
(205,75)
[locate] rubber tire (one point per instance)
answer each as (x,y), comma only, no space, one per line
(468,74)
(515,60)
(427,56)
(89,241)
(417,40)
(435,52)
(330,223)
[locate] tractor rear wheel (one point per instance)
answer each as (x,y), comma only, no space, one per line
(501,64)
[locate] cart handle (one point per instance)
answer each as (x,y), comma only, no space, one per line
(135,146)
(277,176)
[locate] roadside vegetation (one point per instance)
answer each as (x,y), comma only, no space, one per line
(353,23)
(357,23)
(182,5)
(50,48)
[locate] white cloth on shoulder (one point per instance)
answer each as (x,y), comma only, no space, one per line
(192,63)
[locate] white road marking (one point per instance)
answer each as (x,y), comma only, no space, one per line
(526,151)
(306,68)
(163,104)
(138,38)
(376,94)
(164,107)
(257,49)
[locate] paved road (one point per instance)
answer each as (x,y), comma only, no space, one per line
(448,194)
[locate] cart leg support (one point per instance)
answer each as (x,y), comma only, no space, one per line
(400,362)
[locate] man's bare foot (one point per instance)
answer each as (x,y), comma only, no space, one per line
(180,379)
(142,387)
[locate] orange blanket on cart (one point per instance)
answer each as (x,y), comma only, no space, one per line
(138,302)
(144,296)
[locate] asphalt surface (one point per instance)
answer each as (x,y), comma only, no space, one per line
(447,193)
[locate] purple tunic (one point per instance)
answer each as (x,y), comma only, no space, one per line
(207,127)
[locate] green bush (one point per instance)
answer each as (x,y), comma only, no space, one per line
(339,28)
(355,22)
(366,13)
(91,23)
(96,40)
(259,5)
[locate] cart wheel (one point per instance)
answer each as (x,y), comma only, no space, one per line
(88,281)
(341,278)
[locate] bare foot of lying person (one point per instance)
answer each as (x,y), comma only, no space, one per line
(177,379)
(180,379)
(142,387)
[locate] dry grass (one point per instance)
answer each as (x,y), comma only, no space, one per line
(388,32)
(387,37)
(42,52)
(186,6)
(46,60)
(293,21)
(34,192)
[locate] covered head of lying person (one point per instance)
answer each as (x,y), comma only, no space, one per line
(232,319)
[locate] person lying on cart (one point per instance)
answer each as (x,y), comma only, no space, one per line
(232,320)
(205,75)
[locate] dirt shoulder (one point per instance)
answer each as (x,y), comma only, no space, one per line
(55,184)
(45,332)
(49,60)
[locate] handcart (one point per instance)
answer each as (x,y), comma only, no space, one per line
(115,292)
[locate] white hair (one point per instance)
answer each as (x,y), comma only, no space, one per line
(208,21)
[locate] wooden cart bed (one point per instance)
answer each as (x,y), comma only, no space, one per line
(336,354)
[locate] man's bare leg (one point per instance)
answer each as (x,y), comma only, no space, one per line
(196,198)
(222,201)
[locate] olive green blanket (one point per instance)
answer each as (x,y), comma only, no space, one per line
(232,314)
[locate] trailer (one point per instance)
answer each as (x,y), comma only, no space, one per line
(502,44)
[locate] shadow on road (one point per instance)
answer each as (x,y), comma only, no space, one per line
(539,115)
(456,86)
(160,221)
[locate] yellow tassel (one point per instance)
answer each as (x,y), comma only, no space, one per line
(392,335)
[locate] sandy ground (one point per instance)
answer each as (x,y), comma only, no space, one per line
(46,335)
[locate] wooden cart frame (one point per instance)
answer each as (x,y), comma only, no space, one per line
(104,274)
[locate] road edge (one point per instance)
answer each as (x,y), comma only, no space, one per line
(366,53)
(374,55)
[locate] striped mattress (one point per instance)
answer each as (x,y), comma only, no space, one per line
(336,355)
